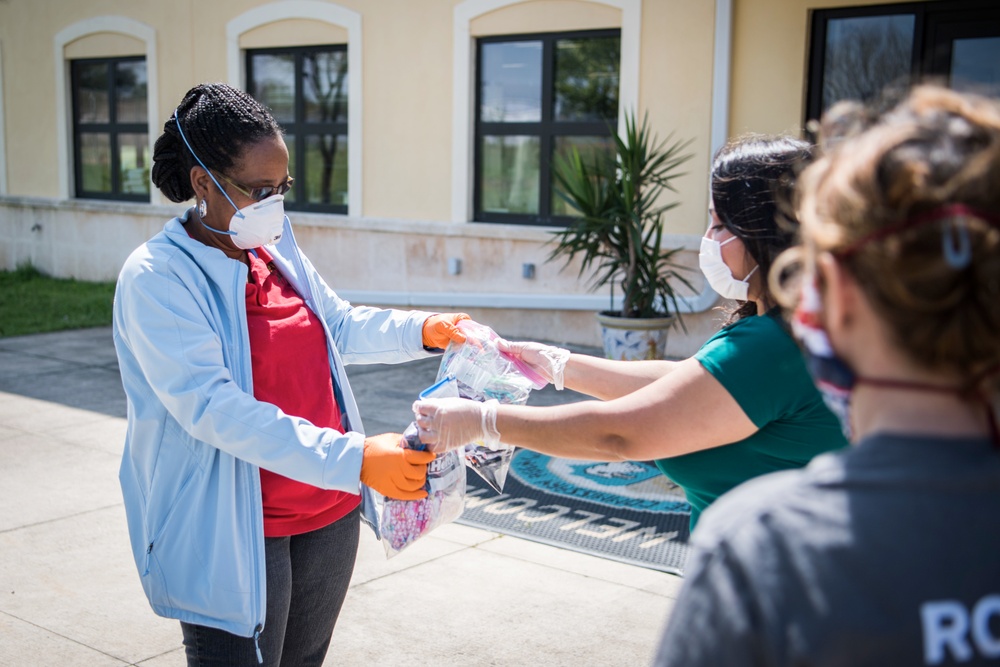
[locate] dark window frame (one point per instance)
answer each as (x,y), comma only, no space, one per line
(112,128)
(300,128)
(546,129)
(928,58)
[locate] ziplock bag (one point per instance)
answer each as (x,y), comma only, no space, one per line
(483,372)
(403,521)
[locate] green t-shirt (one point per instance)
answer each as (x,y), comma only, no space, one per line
(759,364)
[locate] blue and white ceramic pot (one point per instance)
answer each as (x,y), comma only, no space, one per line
(628,339)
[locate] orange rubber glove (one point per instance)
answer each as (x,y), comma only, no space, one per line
(440,329)
(393,471)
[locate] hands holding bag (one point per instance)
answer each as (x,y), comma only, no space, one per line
(402,521)
(456,419)
(547,361)
(393,471)
(449,423)
(441,329)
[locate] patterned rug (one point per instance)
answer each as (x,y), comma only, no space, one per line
(624,511)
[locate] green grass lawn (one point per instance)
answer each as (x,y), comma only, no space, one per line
(31,302)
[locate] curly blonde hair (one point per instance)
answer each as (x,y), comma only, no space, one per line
(909,203)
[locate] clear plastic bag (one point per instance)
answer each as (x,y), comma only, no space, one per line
(483,372)
(404,521)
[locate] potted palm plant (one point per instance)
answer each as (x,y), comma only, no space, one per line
(617,231)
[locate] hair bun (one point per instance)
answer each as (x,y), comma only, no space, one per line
(219,122)
(168,173)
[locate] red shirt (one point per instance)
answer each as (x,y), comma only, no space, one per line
(291,369)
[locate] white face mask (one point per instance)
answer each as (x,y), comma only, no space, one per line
(260,223)
(718,274)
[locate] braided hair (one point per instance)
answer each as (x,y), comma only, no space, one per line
(219,121)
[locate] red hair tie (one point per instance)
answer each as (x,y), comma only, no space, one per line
(957,256)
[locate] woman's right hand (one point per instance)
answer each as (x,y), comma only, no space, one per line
(394,471)
(546,360)
(449,423)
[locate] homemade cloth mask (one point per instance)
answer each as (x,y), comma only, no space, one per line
(831,374)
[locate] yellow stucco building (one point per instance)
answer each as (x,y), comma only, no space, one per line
(433,195)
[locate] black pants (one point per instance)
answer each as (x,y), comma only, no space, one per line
(307,580)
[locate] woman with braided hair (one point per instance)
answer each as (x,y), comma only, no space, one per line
(245,465)
(887,553)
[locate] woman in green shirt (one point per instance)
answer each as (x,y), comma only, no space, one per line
(743,406)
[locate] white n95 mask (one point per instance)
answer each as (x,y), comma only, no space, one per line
(718,274)
(260,223)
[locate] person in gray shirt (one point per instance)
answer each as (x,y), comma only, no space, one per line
(887,553)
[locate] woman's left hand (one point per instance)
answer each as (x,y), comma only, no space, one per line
(440,329)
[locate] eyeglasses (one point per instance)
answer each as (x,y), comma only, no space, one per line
(262,192)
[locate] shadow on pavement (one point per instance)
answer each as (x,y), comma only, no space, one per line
(79,369)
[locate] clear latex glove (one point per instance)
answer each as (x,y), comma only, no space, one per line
(393,471)
(546,360)
(449,423)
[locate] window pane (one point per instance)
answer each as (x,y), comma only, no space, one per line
(586,79)
(130,86)
(866,54)
(326,169)
(293,194)
(510,174)
(593,150)
(133,160)
(95,161)
(274,84)
(511,82)
(324,86)
(975,65)
(92,93)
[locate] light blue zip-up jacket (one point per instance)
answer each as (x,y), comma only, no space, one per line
(196,435)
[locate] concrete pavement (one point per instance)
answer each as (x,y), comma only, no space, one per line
(70,594)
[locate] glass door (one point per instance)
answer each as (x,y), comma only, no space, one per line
(964,48)
(858,53)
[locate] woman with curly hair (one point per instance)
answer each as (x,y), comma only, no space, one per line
(887,553)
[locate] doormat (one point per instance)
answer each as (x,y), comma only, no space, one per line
(625,511)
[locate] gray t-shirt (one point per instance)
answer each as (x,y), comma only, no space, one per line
(887,553)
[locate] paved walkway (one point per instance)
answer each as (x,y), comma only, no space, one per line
(70,594)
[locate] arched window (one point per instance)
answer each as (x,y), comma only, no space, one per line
(106,101)
(315,91)
(538,97)
(468,152)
